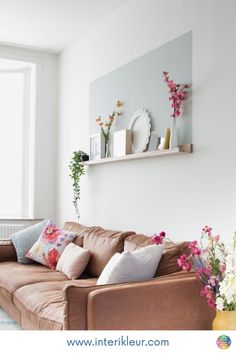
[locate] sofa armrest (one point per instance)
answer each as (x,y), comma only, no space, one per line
(75,298)
(7,251)
(75,307)
(167,304)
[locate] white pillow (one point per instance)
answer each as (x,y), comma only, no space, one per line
(131,266)
(73,261)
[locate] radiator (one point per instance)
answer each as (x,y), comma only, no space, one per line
(6,230)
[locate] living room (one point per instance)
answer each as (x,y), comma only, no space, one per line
(73,50)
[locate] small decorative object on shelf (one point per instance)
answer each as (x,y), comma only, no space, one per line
(84,157)
(178,93)
(154,141)
(167,140)
(141,130)
(162,143)
(97,146)
(106,126)
(173,136)
(76,171)
(122,142)
(215,266)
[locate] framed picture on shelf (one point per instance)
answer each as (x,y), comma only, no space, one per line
(154,141)
(122,140)
(97,147)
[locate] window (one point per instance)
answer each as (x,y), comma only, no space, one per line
(16,122)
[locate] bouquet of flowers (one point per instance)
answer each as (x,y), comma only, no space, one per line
(215,266)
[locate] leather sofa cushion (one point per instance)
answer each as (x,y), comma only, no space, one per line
(103,244)
(14,275)
(80,229)
(43,303)
(6,303)
(7,251)
(137,241)
(6,295)
(172,251)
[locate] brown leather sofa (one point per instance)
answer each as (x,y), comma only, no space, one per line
(40,298)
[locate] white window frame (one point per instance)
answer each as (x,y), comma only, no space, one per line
(28,100)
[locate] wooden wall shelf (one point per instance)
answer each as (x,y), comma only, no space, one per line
(182,149)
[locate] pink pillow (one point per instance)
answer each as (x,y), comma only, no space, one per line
(73,261)
(50,245)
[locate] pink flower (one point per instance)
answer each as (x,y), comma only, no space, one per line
(184,263)
(223,268)
(172,85)
(207,230)
(203,273)
(208,269)
(200,272)
(195,250)
(206,291)
(158,239)
(212,281)
(211,303)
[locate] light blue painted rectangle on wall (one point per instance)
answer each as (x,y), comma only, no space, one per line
(139,84)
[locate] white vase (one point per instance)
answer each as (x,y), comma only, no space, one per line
(173,134)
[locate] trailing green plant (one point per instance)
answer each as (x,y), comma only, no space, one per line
(76,171)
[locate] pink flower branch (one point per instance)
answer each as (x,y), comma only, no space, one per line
(178,93)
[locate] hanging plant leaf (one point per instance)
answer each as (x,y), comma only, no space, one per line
(76,171)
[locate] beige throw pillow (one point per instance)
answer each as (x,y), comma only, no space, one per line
(73,261)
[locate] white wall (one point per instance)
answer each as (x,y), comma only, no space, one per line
(45,127)
(177,194)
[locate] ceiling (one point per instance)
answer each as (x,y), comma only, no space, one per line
(49,24)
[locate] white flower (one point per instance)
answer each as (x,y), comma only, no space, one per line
(228,288)
(220,303)
(231,263)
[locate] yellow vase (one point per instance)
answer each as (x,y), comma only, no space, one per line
(224,320)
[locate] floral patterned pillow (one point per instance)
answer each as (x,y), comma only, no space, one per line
(50,245)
